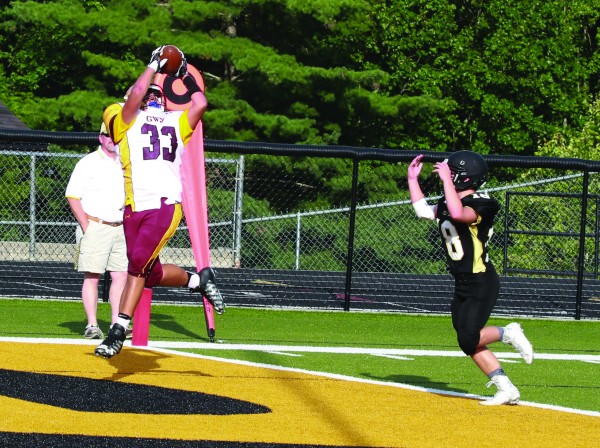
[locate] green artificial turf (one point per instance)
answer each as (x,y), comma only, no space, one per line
(563,383)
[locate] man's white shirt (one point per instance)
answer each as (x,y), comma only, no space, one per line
(97,180)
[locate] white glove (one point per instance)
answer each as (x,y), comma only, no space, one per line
(156,63)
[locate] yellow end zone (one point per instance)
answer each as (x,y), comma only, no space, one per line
(306,409)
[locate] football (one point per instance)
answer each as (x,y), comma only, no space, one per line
(174,59)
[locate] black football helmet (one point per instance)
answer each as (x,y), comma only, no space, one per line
(469,170)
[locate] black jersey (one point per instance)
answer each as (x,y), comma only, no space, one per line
(466,244)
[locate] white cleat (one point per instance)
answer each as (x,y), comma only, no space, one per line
(513,335)
(507,393)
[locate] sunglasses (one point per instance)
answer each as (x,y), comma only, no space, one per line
(104,134)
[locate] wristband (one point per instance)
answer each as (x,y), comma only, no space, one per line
(190,83)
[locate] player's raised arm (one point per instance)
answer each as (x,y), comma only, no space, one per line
(199,103)
(422,209)
(137,92)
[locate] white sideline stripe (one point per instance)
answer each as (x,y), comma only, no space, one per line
(284,353)
(401,358)
(162,347)
(282,349)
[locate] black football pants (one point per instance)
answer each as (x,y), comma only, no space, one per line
(474,298)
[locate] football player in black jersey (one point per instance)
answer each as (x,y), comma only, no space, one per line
(465,220)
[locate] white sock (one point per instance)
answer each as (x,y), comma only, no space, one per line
(123,322)
(194,281)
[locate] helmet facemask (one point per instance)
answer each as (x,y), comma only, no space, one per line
(154,98)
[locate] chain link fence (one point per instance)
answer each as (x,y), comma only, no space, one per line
(319,227)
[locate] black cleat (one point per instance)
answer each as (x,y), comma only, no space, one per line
(113,343)
(212,293)
(209,289)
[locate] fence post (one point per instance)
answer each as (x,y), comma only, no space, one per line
(298,239)
(106,287)
(596,236)
(32,205)
(581,257)
(351,229)
(506,231)
(237,213)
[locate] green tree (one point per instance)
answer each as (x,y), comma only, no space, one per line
(275,71)
(510,72)
(495,76)
(582,143)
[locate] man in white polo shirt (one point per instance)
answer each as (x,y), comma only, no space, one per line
(96,196)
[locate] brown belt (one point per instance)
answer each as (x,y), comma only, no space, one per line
(108,223)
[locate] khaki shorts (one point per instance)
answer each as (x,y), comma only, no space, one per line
(102,248)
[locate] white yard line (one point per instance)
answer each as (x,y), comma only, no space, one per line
(171,347)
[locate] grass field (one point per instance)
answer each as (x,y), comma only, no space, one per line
(565,372)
